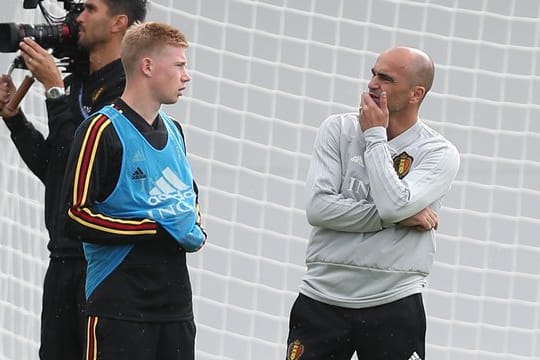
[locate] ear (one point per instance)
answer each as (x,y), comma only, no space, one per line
(417,94)
(147,66)
(119,23)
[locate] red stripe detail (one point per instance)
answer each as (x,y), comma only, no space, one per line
(84,172)
(91,338)
(112,224)
(88,150)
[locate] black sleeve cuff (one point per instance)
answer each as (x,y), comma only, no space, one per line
(16,123)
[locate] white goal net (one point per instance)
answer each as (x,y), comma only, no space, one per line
(265,74)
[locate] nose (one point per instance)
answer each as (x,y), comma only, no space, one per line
(373,84)
(186,77)
(79,17)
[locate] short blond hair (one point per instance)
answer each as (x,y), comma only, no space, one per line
(148,38)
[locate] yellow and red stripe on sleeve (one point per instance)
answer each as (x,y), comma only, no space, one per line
(80,211)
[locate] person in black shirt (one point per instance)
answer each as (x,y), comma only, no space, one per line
(134,205)
(102,24)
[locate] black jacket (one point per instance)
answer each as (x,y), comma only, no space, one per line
(46,157)
(152,282)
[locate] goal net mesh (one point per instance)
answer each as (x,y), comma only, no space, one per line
(265,74)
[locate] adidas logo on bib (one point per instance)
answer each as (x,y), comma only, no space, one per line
(138,174)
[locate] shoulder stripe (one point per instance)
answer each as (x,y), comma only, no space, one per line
(87,156)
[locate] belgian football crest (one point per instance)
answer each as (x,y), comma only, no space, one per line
(295,350)
(402,164)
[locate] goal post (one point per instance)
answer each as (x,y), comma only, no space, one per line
(265,74)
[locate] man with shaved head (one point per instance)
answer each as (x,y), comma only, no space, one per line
(375,184)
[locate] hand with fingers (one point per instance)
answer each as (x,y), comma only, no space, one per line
(7,90)
(41,64)
(425,220)
(373,111)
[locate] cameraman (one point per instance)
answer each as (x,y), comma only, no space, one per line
(101,26)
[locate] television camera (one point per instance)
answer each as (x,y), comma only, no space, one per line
(59,35)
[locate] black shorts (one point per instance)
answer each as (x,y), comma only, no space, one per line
(111,339)
(63,322)
(394,331)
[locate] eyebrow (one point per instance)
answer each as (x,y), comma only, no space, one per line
(382,75)
(89,6)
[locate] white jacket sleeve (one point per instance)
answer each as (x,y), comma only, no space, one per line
(427,182)
(326,206)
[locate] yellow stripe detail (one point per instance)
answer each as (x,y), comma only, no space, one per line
(91,334)
(81,156)
(109,230)
(114,220)
(91,163)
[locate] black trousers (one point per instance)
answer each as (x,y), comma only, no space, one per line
(394,331)
(63,322)
(111,339)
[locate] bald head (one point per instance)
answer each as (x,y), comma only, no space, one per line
(417,64)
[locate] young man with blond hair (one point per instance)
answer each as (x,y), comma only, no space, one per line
(134,206)
(91,85)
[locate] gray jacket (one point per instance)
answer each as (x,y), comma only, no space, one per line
(359,187)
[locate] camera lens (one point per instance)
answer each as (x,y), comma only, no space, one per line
(48,36)
(9,37)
